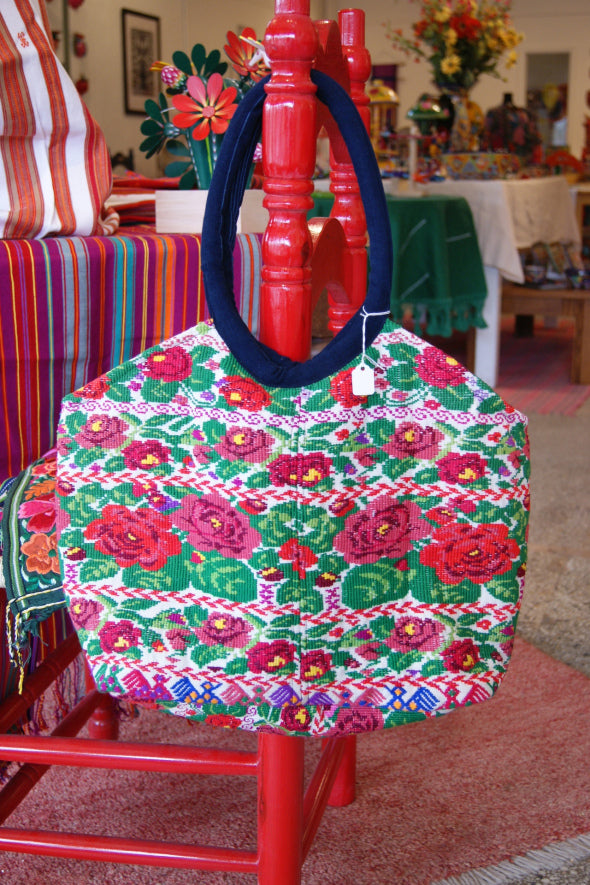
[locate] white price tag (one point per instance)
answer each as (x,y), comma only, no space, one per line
(363,380)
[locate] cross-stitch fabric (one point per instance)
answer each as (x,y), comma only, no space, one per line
(307,560)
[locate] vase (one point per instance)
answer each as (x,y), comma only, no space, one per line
(467,122)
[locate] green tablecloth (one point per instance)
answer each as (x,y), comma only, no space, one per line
(438,272)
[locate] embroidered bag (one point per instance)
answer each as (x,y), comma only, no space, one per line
(248,541)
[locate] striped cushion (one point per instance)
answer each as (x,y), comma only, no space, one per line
(55,170)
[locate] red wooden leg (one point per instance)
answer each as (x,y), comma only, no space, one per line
(280,809)
(343,791)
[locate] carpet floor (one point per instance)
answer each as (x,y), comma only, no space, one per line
(434,799)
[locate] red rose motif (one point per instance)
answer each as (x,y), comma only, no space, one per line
(295,718)
(439,369)
(461,552)
(85,613)
(134,537)
(357,720)
(172,364)
(222,629)
(463,469)
(314,665)
(40,512)
(213,524)
(385,528)
(410,634)
(411,440)
(299,470)
(118,636)
(178,637)
(268,657)
(301,556)
(102,430)
(246,444)
(461,656)
(341,390)
(243,393)
(95,389)
(223,720)
(145,455)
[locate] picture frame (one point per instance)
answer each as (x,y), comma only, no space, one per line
(141,48)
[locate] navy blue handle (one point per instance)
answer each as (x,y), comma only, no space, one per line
(219,232)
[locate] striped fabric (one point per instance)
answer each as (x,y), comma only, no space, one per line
(55,171)
(73,307)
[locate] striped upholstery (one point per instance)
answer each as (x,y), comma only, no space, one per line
(55,171)
(73,307)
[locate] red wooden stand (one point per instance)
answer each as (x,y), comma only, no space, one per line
(300,261)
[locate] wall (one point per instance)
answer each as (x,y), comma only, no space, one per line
(186,22)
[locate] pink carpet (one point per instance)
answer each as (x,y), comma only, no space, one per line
(434,799)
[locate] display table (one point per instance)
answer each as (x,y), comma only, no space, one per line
(438,271)
(509,215)
(73,307)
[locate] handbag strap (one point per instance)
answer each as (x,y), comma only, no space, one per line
(219,231)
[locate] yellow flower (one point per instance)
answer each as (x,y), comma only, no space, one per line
(442,15)
(492,44)
(450,65)
(511,59)
(451,37)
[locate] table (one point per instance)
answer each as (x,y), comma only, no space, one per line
(509,215)
(73,307)
(438,271)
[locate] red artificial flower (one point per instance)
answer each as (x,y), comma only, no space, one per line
(208,107)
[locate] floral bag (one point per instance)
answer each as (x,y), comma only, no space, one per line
(313,548)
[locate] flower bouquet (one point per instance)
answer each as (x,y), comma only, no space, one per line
(202,103)
(461,39)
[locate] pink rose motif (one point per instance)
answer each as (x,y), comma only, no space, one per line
(385,528)
(85,613)
(146,454)
(172,364)
(411,634)
(119,636)
(439,369)
(357,720)
(460,552)
(412,440)
(268,657)
(102,431)
(213,524)
(464,469)
(461,656)
(40,513)
(246,444)
(223,629)
(295,717)
(134,537)
(299,470)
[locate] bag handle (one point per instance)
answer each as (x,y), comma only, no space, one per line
(219,231)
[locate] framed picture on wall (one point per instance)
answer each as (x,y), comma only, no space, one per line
(141,48)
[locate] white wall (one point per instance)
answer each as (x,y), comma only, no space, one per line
(548,26)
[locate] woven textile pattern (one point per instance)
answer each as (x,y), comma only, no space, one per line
(308,560)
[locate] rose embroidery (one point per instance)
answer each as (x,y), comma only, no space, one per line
(299,470)
(268,657)
(357,720)
(95,389)
(295,718)
(134,537)
(314,665)
(85,613)
(172,364)
(222,629)
(213,524)
(410,440)
(464,469)
(461,656)
(145,455)
(102,430)
(41,553)
(341,390)
(40,513)
(410,634)
(300,555)
(460,552)
(439,369)
(385,528)
(118,636)
(244,393)
(246,444)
